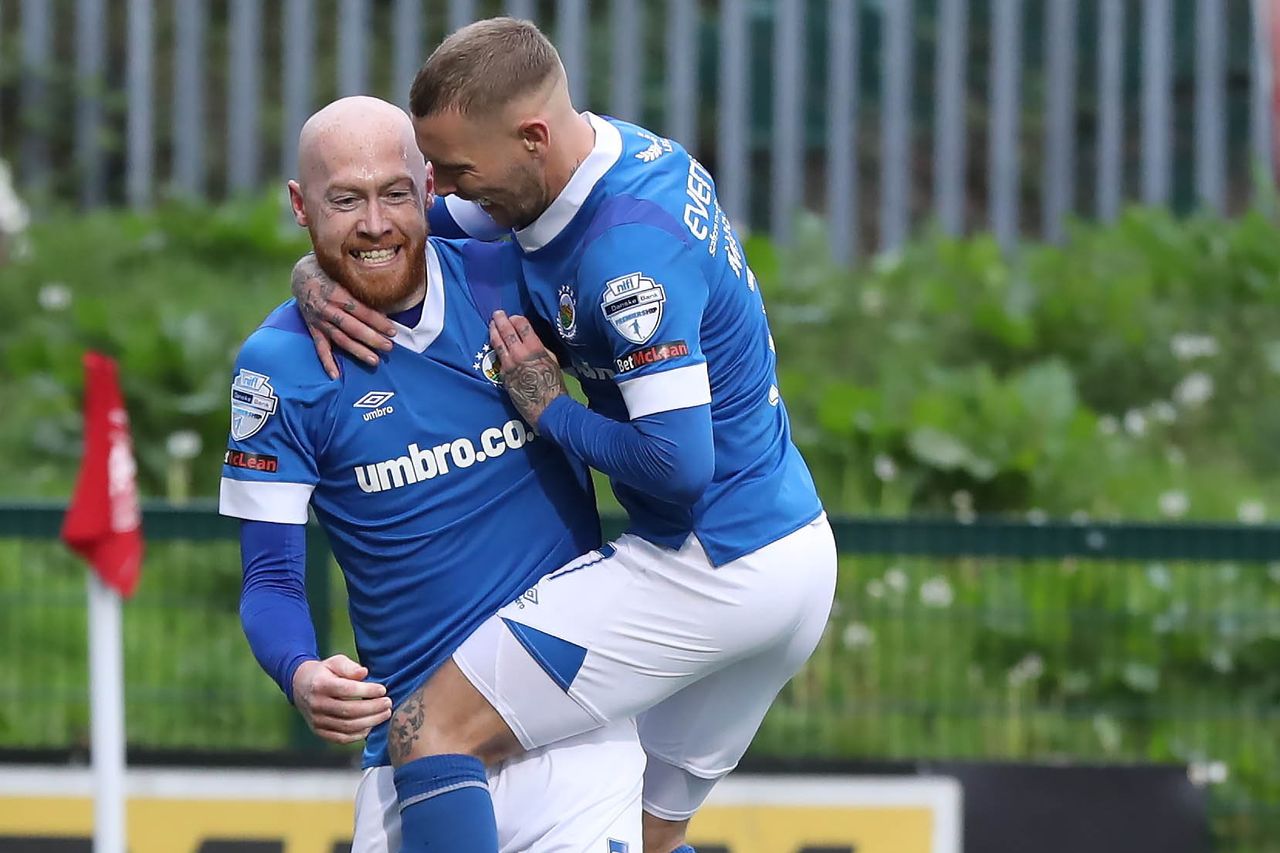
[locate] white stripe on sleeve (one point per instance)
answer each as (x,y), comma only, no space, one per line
(682,388)
(254,500)
(472,219)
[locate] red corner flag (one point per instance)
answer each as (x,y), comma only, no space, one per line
(103,523)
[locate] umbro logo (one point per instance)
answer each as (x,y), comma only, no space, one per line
(373,399)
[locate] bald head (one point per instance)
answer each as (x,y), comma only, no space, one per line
(361,192)
(357,133)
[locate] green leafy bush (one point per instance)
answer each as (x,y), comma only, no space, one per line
(1133,372)
(170,294)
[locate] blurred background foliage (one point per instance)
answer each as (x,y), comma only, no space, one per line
(1132,372)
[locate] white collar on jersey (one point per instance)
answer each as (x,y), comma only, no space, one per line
(547,227)
(431,322)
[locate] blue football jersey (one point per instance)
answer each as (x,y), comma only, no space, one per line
(440,503)
(638,270)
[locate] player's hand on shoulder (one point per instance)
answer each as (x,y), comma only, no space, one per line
(336,701)
(335,318)
(530,372)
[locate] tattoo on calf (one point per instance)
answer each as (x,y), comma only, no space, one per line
(406,723)
(533,382)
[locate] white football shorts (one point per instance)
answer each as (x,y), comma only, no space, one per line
(695,652)
(581,795)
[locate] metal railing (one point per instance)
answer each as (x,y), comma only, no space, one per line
(1012,115)
(991,640)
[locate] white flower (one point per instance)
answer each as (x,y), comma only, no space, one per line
(1164,412)
(1029,668)
(54,296)
(875,588)
(1108,425)
(856,636)
(1194,390)
(1037,516)
(1221,661)
(936,592)
(14,217)
(1079,517)
(872,301)
(1158,575)
(183,444)
(886,469)
(896,579)
(1204,773)
(1141,676)
(1174,503)
(1108,732)
(887,262)
(1186,347)
(962,502)
(1251,512)
(1135,423)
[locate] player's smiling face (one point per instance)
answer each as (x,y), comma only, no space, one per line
(484,160)
(367,219)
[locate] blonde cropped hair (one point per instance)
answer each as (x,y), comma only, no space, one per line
(484,66)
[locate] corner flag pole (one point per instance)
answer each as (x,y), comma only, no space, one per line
(104,525)
(106,711)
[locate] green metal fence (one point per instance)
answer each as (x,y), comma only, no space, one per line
(991,640)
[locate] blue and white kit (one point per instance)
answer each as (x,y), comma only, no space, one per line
(722,585)
(423,476)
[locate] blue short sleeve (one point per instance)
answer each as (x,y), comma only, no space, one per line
(280,397)
(643,292)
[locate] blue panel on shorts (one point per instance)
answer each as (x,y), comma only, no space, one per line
(559,658)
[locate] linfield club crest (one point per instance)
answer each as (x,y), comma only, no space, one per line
(253,400)
(487,363)
(566,313)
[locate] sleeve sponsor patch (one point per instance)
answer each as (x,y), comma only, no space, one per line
(252,461)
(633,305)
(651,355)
(253,400)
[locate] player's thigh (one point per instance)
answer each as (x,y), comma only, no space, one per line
(581,795)
(377,813)
(701,732)
(619,630)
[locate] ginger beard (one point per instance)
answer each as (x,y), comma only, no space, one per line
(380,285)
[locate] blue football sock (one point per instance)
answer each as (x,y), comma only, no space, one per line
(445,806)
(685,849)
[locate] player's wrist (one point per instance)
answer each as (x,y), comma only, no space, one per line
(552,417)
(296,674)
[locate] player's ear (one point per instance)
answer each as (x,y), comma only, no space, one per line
(295,201)
(429,188)
(535,136)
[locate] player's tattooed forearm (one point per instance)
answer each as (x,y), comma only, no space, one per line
(406,723)
(533,382)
